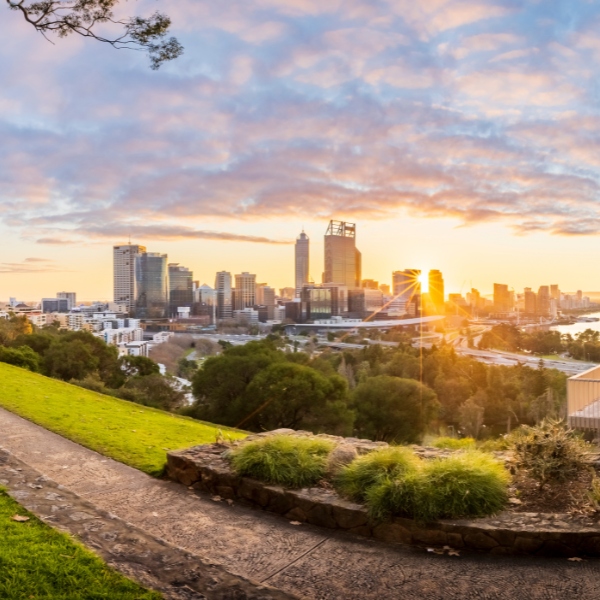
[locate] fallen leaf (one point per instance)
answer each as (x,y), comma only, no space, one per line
(514,501)
(295,523)
(229,501)
(19,518)
(575,559)
(448,548)
(155,514)
(216,498)
(453,553)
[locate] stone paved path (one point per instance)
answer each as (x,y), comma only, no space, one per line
(304,561)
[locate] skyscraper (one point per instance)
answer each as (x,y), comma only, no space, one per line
(502,298)
(224,300)
(342,259)
(124,273)
(406,284)
(302,261)
(245,291)
(181,288)
(151,285)
(436,290)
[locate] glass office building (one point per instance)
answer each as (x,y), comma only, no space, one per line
(151,286)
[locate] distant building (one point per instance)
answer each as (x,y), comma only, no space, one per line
(529,302)
(244,294)
(265,297)
(317,303)
(151,285)
(205,303)
(342,258)
(385,289)
(224,295)
(124,274)
(181,292)
(543,301)
(406,284)
(370,284)
(502,298)
(55,305)
(301,255)
(365,302)
(287,293)
(70,296)
(436,290)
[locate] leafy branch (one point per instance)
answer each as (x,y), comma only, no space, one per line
(65,17)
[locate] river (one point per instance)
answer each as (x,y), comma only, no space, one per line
(579,327)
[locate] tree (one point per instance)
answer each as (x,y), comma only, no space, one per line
(392,409)
(21,357)
(139,366)
(291,395)
(153,390)
(471,414)
(83,17)
(223,379)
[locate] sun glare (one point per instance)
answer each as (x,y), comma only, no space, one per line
(424,281)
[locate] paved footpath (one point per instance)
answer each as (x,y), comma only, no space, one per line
(301,561)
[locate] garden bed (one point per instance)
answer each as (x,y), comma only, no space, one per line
(205,468)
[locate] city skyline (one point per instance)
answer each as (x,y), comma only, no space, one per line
(457,136)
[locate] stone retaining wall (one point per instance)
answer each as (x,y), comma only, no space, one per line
(205,468)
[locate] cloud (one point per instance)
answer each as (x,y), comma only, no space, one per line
(29,266)
(304,109)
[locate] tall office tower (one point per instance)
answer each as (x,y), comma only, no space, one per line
(70,296)
(224,300)
(530,301)
(181,288)
(205,302)
(543,301)
(151,286)
(301,253)
(406,284)
(245,291)
(124,274)
(555,294)
(502,298)
(342,259)
(370,284)
(436,290)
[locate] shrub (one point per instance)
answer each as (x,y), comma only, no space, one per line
(448,443)
(395,496)
(23,357)
(549,451)
(286,460)
(358,477)
(472,484)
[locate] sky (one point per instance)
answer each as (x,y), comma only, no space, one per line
(459,135)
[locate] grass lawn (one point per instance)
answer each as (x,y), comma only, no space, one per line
(130,433)
(38,562)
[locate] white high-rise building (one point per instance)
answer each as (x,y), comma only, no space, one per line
(124,273)
(302,261)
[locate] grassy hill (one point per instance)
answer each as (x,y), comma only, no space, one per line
(130,433)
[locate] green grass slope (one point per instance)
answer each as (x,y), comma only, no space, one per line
(130,433)
(38,562)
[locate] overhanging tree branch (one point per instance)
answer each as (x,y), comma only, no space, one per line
(81,17)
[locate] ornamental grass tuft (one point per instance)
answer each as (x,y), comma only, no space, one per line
(470,484)
(448,443)
(286,460)
(356,479)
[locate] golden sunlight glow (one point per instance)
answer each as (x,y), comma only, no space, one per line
(424,281)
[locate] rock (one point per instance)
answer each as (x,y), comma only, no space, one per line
(480,541)
(340,456)
(392,532)
(527,545)
(430,536)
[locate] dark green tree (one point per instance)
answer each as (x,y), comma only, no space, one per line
(140,366)
(153,390)
(21,357)
(295,396)
(391,409)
